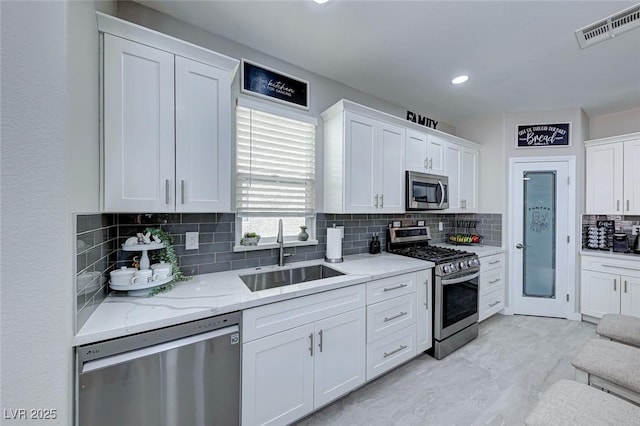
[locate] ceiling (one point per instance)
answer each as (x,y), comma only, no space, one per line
(520,55)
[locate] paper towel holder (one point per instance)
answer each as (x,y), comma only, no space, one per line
(336,259)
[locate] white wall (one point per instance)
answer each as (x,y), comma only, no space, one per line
(49,137)
(619,123)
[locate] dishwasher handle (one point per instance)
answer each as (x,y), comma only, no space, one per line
(162,347)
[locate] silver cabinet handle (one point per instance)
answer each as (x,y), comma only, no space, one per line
(166,191)
(376,201)
(401,314)
(394,288)
(615,285)
(425,163)
(430,163)
(617,205)
(493,262)
(320,344)
(627,205)
(381,200)
(494,304)
(387,354)
(311,344)
(625,286)
(182,191)
(426,294)
(494,281)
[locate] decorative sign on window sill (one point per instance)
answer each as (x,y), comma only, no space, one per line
(268,83)
(531,135)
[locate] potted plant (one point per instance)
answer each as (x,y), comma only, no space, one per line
(303,235)
(250,239)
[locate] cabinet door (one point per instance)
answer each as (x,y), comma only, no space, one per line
(391,172)
(600,294)
(139,154)
(423,311)
(630,296)
(340,364)
(632,177)
(203,139)
(277,377)
(360,158)
(604,179)
(416,152)
(436,154)
(453,159)
(468,178)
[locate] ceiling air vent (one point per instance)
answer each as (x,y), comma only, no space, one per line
(609,27)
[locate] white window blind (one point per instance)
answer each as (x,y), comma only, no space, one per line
(275,165)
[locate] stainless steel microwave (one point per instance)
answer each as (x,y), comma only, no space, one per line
(426,191)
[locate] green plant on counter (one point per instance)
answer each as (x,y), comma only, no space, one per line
(168,255)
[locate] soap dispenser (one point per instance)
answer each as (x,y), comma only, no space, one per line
(376,243)
(372,244)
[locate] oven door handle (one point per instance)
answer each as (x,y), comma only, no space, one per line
(460,280)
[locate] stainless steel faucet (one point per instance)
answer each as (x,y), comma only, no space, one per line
(280,241)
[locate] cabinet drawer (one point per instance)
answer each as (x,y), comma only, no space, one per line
(387,317)
(391,351)
(491,281)
(276,317)
(490,304)
(391,287)
(628,267)
(492,262)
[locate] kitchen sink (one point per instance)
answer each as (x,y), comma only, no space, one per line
(272,279)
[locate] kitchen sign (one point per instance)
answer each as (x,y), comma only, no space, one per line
(423,121)
(265,82)
(543,135)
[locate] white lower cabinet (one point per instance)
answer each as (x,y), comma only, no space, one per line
(606,290)
(492,285)
(289,373)
(300,354)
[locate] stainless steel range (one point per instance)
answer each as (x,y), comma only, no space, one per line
(455,287)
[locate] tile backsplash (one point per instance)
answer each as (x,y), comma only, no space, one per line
(100,235)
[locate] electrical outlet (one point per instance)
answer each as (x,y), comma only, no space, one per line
(635,230)
(191,241)
(440,226)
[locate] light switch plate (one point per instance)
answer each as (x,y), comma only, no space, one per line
(191,241)
(440,226)
(635,230)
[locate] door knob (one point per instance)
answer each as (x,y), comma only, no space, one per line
(519,246)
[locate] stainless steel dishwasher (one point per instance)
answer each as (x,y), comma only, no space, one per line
(188,374)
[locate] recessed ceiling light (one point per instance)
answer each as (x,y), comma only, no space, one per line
(322,1)
(460,79)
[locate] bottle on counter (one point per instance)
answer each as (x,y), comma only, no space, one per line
(376,244)
(372,244)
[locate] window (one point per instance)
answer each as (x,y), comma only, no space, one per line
(275,172)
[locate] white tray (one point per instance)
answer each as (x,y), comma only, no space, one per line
(142,247)
(140,289)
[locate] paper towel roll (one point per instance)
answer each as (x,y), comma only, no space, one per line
(334,245)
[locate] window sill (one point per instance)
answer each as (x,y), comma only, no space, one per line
(266,246)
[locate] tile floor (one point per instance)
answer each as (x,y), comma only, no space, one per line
(494,380)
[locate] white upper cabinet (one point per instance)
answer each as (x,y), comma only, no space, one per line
(364,164)
(461,166)
(424,153)
(166,122)
(138,127)
(613,175)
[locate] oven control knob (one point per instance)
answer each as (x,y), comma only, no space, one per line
(452,267)
(475,262)
(463,265)
(445,269)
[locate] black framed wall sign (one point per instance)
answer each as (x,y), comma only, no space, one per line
(268,83)
(532,135)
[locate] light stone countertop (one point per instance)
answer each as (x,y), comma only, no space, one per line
(610,254)
(222,292)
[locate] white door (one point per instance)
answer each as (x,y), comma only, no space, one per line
(391,173)
(339,355)
(541,238)
(277,377)
(632,177)
(361,155)
(203,140)
(139,160)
